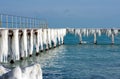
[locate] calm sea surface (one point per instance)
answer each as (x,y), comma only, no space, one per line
(74,61)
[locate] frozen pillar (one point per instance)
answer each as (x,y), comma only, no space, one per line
(37,42)
(15,45)
(23,44)
(112,38)
(49,38)
(95,40)
(41,40)
(30,43)
(4,46)
(80,35)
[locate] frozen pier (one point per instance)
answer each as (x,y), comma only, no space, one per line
(20,43)
(21,37)
(80,32)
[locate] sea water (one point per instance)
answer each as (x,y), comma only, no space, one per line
(79,61)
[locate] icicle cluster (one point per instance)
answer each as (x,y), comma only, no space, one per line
(45,37)
(85,32)
(37,41)
(41,39)
(115,31)
(58,35)
(71,30)
(30,42)
(49,38)
(20,43)
(54,36)
(23,44)
(108,32)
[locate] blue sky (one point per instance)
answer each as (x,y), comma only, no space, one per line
(67,13)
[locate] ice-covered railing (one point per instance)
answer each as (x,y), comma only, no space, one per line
(110,32)
(12,21)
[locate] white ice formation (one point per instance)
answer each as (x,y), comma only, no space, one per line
(15,45)
(19,43)
(4,46)
(93,31)
(31,72)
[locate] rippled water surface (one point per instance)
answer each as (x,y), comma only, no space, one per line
(83,62)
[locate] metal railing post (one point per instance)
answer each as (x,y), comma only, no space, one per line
(16,22)
(1,20)
(23,22)
(33,23)
(30,23)
(12,21)
(20,22)
(27,23)
(7,21)
(39,24)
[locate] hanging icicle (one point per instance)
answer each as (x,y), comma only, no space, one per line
(23,44)
(112,38)
(77,31)
(95,39)
(53,36)
(80,37)
(115,31)
(58,36)
(71,30)
(87,32)
(30,43)
(108,32)
(15,45)
(4,46)
(49,38)
(62,36)
(45,40)
(92,31)
(84,31)
(99,32)
(41,39)
(37,41)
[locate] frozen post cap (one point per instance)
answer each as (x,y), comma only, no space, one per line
(31,72)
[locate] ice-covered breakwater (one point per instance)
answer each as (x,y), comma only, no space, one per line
(80,32)
(16,44)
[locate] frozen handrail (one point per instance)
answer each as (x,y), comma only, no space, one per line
(11,21)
